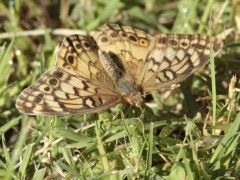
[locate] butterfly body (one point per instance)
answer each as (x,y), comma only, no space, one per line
(125,84)
(117,64)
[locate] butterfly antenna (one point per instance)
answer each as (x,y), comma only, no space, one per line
(128,110)
(142,110)
(144,95)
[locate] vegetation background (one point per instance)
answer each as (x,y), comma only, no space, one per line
(174,137)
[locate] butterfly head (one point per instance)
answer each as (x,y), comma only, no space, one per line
(135,99)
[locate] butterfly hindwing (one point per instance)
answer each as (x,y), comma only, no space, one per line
(80,53)
(129,44)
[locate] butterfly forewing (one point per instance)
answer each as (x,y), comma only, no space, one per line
(174,57)
(63,91)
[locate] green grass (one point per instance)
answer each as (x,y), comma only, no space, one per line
(172,137)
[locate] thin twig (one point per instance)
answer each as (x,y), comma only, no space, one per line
(41,32)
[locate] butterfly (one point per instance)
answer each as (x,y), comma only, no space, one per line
(117,64)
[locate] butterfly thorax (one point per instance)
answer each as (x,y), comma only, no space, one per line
(124,84)
(130,92)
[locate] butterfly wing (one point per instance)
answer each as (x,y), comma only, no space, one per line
(130,45)
(174,57)
(62,91)
(80,53)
